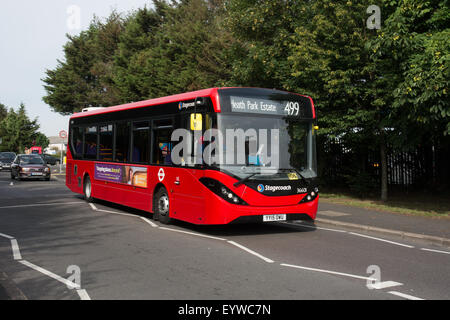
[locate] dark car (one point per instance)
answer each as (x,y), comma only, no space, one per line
(29,166)
(6,159)
(49,159)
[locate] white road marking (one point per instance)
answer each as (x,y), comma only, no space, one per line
(315,227)
(154,225)
(251,251)
(385,284)
(383,240)
(192,233)
(40,205)
(432,250)
(16,250)
(118,213)
(334,230)
(112,212)
(403,295)
(327,271)
(83,294)
(18,257)
(68,283)
(6,236)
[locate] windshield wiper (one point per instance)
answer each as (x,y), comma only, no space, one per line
(237,184)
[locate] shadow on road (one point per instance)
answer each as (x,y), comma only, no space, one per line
(244,229)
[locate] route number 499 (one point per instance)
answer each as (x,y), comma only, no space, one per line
(292,108)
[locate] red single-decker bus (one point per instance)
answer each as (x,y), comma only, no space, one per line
(128,155)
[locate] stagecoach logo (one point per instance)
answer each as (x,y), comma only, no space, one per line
(185,105)
(261,188)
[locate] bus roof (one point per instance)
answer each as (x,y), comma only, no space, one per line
(211,92)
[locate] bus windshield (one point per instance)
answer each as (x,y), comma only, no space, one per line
(274,147)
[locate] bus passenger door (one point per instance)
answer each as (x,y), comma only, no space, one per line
(188,202)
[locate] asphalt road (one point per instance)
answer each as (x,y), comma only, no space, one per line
(47,232)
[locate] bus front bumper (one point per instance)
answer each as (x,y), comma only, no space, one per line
(221,212)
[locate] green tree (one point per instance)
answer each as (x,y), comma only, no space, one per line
(138,36)
(84,78)
(18,131)
(174,48)
(3,111)
(372,89)
(413,51)
(316,48)
(41,140)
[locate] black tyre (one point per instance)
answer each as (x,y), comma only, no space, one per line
(161,206)
(87,189)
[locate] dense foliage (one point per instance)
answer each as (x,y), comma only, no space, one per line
(373,89)
(18,132)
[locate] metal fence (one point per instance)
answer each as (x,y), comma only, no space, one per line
(424,167)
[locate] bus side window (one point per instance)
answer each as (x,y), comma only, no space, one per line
(163,147)
(77,141)
(162,142)
(90,143)
(106,142)
(141,142)
(122,141)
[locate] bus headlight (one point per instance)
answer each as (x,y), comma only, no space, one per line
(312,195)
(222,191)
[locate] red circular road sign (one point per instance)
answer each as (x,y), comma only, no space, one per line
(63,134)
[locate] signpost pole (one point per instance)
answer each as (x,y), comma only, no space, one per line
(61,157)
(62,135)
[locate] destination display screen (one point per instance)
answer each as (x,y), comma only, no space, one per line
(266,102)
(262,106)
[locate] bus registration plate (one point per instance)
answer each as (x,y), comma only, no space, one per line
(274,217)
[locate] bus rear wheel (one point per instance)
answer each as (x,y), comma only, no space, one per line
(161,207)
(87,190)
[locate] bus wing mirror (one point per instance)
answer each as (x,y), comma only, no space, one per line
(196,121)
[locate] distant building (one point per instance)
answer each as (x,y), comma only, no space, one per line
(56,143)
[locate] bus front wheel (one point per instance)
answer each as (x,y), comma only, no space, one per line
(162,206)
(87,190)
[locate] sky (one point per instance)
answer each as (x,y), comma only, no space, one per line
(32,35)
